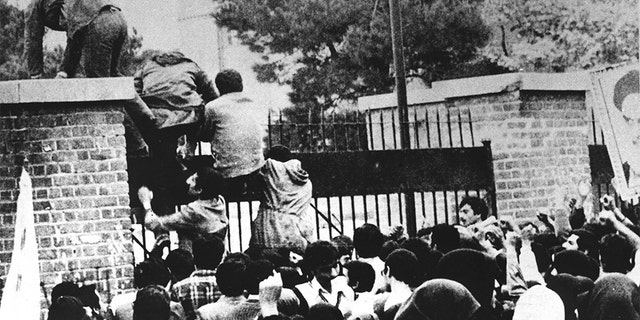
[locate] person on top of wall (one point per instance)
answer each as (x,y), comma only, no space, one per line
(176,90)
(41,14)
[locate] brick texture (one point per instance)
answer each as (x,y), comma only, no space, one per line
(539,143)
(76,159)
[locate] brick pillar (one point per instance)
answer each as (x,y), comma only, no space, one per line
(71,133)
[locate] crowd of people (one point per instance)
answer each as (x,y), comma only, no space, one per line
(481,268)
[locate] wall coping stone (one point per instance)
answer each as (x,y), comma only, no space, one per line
(456,88)
(66,90)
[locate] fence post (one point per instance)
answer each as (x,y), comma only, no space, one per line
(492,188)
(403,110)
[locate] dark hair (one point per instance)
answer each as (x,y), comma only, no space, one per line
(478,205)
(66,308)
(318,254)
(344,244)
(576,263)
(445,238)
(404,266)
(615,253)
(361,273)
(180,263)
(149,272)
(228,81)
(210,182)
(427,258)
(208,254)
(238,257)
(257,271)
(87,294)
(65,288)
(152,303)
(424,232)
(367,240)
(324,311)
(279,153)
(230,277)
(387,248)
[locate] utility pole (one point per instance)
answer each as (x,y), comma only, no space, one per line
(403,110)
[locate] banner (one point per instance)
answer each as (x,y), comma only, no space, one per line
(616,92)
(21,294)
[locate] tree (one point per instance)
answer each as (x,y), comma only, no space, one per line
(557,36)
(342,48)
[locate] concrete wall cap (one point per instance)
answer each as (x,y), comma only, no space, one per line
(466,87)
(66,90)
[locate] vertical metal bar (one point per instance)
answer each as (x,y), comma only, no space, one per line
(384,144)
(250,212)
(315,200)
(389,208)
(226,205)
(370,129)
(424,211)
(377,211)
(353,211)
(346,136)
(393,129)
(449,127)
(438,127)
(593,126)
(329,217)
(281,129)
(400,206)
(366,210)
(600,195)
(269,124)
(341,208)
(455,194)
(473,141)
(426,122)
(435,208)
(492,182)
(460,128)
(239,211)
(446,207)
(416,129)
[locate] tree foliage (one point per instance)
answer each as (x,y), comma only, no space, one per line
(342,48)
(556,36)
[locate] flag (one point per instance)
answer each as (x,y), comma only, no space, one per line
(616,93)
(21,296)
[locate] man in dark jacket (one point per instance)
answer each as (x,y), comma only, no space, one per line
(41,14)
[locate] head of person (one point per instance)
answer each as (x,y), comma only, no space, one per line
(66,308)
(240,257)
(257,271)
(439,299)
(575,263)
(152,271)
(586,239)
(321,260)
(445,238)
(473,269)
(228,81)
(205,183)
(152,303)
(615,253)
(614,296)
(279,153)
(425,234)
(539,302)
(402,265)
(89,297)
(427,258)
(388,247)
(65,288)
(367,241)
(360,275)
(180,263)
(324,311)
(230,277)
(344,244)
(472,210)
(207,254)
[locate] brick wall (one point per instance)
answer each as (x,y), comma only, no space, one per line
(538,125)
(76,158)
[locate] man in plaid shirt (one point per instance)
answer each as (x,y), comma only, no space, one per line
(200,288)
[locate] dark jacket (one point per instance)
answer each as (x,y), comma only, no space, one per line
(81,12)
(175,89)
(41,14)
